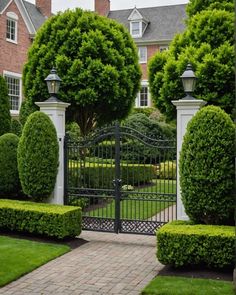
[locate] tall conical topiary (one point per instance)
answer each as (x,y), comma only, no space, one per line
(37,156)
(5,116)
(207,167)
(9,177)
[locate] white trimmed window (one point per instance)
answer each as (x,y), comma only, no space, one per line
(142,52)
(136,28)
(11,27)
(14,84)
(143,97)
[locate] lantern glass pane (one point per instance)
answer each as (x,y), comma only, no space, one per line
(53,86)
(189,84)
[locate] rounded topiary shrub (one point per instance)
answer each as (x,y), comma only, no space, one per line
(207,167)
(38,156)
(9,177)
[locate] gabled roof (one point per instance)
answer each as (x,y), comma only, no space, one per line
(164,21)
(35,15)
(136,15)
(30,13)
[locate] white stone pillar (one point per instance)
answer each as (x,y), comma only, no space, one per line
(55,109)
(186,109)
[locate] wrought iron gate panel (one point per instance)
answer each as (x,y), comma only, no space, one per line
(124,181)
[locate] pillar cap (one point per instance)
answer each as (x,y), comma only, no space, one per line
(189,103)
(52,102)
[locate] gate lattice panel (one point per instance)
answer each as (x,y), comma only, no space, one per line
(124,181)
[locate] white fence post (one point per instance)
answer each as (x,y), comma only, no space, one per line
(186,109)
(55,109)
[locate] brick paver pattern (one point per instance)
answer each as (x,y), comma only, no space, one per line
(106,264)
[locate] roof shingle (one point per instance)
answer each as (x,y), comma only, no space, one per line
(3,4)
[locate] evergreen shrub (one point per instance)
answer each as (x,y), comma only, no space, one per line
(9,177)
(16,127)
(38,218)
(38,156)
(181,243)
(5,117)
(207,167)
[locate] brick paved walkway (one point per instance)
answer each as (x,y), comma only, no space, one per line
(106,264)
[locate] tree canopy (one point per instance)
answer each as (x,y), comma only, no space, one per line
(208,43)
(97,61)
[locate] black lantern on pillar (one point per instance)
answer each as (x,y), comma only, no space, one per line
(53,82)
(189,81)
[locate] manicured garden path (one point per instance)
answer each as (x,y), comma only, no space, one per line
(105,264)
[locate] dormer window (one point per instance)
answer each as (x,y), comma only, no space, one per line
(136,29)
(11,27)
(138,24)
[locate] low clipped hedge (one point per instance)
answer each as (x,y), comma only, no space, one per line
(167,170)
(181,243)
(38,218)
(101,176)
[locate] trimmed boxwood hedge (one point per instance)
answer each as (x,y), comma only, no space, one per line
(167,170)
(101,176)
(181,243)
(38,218)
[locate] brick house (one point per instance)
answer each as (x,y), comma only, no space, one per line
(152,30)
(19,21)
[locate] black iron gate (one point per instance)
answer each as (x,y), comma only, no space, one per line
(124,181)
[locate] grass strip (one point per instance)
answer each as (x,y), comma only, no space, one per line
(165,285)
(19,257)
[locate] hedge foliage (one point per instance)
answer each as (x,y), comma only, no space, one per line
(167,170)
(207,167)
(135,151)
(102,176)
(5,117)
(38,156)
(38,218)
(181,243)
(16,127)
(9,177)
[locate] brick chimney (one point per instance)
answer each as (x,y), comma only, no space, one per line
(102,7)
(45,7)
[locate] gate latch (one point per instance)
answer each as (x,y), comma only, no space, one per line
(116,181)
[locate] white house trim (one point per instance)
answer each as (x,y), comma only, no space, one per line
(26,17)
(12,16)
(18,76)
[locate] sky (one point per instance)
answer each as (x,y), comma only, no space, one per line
(61,5)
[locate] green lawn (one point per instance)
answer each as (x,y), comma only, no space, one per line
(164,285)
(18,257)
(136,208)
